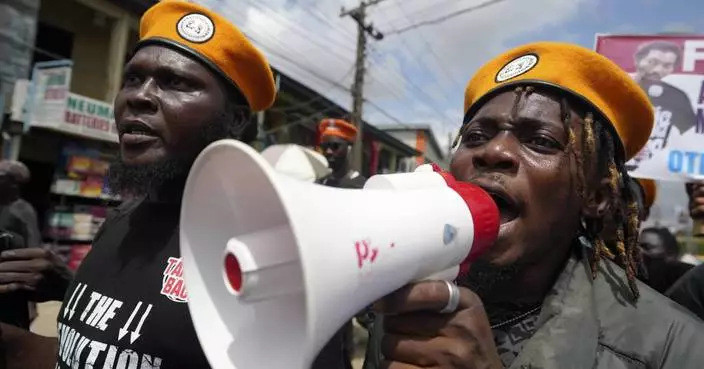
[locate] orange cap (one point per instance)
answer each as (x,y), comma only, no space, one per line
(337,128)
(215,41)
(583,73)
(649,191)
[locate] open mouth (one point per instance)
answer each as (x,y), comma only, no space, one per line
(508,209)
(136,128)
(134,133)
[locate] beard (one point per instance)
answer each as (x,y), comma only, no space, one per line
(484,277)
(167,177)
(487,280)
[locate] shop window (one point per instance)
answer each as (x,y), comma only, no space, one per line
(52,43)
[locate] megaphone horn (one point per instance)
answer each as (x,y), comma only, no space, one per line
(275,266)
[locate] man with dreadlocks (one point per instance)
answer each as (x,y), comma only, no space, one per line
(547,130)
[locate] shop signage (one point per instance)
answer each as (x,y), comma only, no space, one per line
(51,105)
(48,91)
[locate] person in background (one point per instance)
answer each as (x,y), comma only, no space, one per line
(23,210)
(20,207)
(192,79)
(28,272)
(661,258)
(648,189)
(336,139)
(549,142)
(9,195)
(688,291)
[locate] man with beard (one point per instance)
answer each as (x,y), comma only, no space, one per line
(673,109)
(193,79)
(336,139)
(547,130)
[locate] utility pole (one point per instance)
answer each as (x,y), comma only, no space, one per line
(363,30)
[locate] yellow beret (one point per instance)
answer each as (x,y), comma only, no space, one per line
(649,191)
(337,128)
(581,72)
(216,42)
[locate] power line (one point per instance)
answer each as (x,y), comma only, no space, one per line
(317,75)
(302,31)
(328,80)
(317,13)
(420,91)
(390,88)
(232,12)
(305,57)
(297,64)
(437,4)
(428,46)
(445,17)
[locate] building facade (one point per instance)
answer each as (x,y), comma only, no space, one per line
(421,138)
(68,60)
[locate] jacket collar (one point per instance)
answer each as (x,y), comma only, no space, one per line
(568,331)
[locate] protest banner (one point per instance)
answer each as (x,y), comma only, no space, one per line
(670,69)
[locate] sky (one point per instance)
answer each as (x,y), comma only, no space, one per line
(417,76)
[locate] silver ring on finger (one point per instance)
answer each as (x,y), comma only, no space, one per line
(454,300)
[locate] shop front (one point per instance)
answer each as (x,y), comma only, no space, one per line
(69,144)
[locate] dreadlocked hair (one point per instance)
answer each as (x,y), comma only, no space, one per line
(599,143)
(598,139)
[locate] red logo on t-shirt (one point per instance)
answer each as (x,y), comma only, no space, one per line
(173,285)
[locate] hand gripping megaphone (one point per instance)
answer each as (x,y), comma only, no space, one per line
(275,266)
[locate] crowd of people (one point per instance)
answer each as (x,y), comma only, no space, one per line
(571,282)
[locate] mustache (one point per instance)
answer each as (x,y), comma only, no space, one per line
(498,179)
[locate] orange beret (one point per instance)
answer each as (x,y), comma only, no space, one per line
(216,42)
(338,128)
(581,72)
(649,191)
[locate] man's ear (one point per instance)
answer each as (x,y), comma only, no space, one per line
(243,128)
(597,202)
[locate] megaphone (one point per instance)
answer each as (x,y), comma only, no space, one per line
(275,266)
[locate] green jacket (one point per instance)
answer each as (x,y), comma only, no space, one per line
(592,324)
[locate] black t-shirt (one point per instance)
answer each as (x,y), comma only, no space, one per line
(126,307)
(351,180)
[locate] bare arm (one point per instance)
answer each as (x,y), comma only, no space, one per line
(25,350)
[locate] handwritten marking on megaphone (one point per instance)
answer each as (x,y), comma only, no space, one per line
(365,252)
